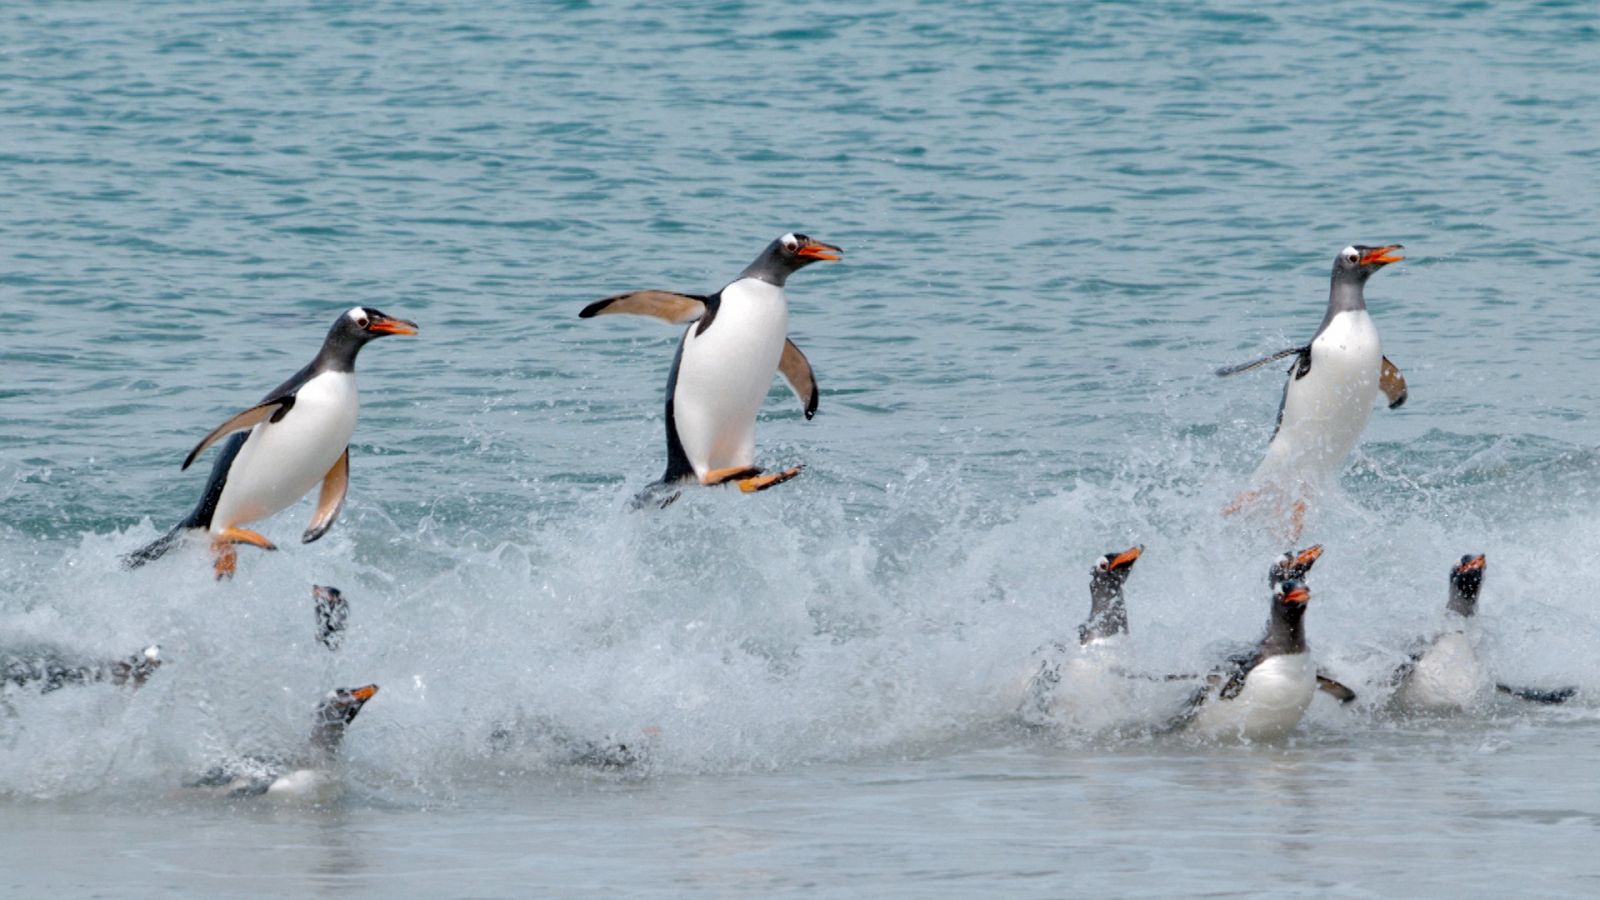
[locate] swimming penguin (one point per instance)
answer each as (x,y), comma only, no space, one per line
(282,447)
(1261,693)
(333,613)
(305,776)
(1328,398)
(736,341)
(1445,674)
(1100,638)
(49,667)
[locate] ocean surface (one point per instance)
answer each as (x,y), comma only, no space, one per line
(1058,219)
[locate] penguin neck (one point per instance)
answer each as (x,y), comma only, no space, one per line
(338,353)
(1108,616)
(1285,630)
(327,735)
(1347,294)
(770,267)
(1463,603)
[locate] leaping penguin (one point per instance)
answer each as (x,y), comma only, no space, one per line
(1333,382)
(305,776)
(1099,639)
(282,447)
(736,342)
(1445,674)
(1262,692)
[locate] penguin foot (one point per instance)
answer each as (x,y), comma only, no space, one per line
(762,482)
(227,558)
(245,536)
(732,473)
(1240,502)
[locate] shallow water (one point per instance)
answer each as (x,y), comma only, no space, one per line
(1057,222)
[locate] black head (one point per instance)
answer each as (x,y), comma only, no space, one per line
(1111,570)
(1466,579)
(342,704)
(353,330)
(787,255)
(1290,598)
(1293,565)
(1357,262)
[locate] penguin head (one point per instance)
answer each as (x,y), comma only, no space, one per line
(1111,570)
(1293,565)
(363,323)
(787,255)
(1466,579)
(353,330)
(1358,262)
(1290,598)
(337,710)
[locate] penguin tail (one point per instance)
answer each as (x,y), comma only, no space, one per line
(156,548)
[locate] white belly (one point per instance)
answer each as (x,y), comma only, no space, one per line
(303,784)
(725,373)
(1325,412)
(1448,678)
(281,461)
(1275,697)
(1089,694)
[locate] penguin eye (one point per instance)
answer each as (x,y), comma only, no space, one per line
(363,321)
(1351,256)
(791,244)
(1102,565)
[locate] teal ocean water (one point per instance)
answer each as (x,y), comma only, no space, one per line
(1058,220)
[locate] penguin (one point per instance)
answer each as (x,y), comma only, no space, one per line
(1332,385)
(49,667)
(736,341)
(282,447)
(333,613)
(1444,674)
(1262,693)
(1100,644)
(306,776)
(1294,565)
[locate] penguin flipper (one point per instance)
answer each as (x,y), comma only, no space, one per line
(1538,695)
(271,410)
(1393,384)
(796,370)
(1335,688)
(679,309)
(1225,371)
(330,500)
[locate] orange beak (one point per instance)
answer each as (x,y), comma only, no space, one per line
(392,326)
(1309,555)
(1474,564)
(364,693)
(819,250)
(1380,256)
(1298,595)
(1126,557)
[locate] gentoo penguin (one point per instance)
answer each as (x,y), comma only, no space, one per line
(282,447)
(1262,693)
(555,743)
(49,667)
(333,613)
(1333,382)
(1445,674)
(1100,640)
(1294,565)
(736,341)
(304,776)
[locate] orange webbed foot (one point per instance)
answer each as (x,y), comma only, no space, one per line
(732,473)
(762,482)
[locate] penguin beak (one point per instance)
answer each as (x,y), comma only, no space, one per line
(364,693)
(1380,256)
(1474,564)
(818,250)
(387,325)
(1298,595)
(1126,558)
(1309,555)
